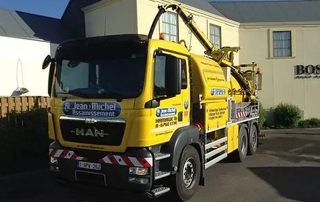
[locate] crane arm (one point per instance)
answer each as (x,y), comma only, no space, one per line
(223,56)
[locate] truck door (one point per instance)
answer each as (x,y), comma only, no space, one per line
(172,112)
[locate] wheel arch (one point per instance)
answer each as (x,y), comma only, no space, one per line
(200,150)
(182,137)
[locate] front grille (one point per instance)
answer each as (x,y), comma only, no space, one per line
(98,133)
(90,178)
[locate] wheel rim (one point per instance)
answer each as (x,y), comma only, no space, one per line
(189,173)
(254,138)
(244,144)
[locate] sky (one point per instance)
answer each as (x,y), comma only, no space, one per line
(51,8)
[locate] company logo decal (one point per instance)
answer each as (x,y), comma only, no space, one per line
(163,112)
(218,91)
(97,109)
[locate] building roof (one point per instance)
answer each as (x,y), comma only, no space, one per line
(73,17)
(269,11)
(25,25)
(202,5)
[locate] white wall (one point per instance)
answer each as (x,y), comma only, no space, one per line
(279,84)
(26,73)
(111,17)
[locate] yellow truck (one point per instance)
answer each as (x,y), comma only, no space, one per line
(147,115)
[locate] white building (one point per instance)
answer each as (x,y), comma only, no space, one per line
(282,37)
(25,40)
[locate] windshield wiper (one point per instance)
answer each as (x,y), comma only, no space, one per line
(105,94)
(78,93)
(71,93)
(113,95)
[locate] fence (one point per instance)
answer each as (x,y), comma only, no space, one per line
(20,104)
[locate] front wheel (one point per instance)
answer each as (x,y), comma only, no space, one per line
(186,180)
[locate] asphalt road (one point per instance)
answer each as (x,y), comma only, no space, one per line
(286,168)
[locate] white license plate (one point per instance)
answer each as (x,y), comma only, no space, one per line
(90,166)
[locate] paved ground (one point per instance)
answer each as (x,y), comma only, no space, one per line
(287,168)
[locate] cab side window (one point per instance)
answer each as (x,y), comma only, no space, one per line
(160,75)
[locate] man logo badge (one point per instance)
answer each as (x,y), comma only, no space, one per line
(90,121)
(90,132)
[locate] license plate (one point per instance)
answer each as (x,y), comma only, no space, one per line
(90,166)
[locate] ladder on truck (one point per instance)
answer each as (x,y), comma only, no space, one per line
(215,150)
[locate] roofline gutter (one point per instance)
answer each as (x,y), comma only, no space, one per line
(26,38)
(97,5)
(280,24)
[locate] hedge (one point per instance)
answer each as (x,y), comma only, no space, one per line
(262,116)
(288,116)
(309,123)
(23,141)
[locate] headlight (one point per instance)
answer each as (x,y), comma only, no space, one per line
(53,160)
(138,171)
(54,164)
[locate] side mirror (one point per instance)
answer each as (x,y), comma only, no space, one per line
(46,62)
(173,76)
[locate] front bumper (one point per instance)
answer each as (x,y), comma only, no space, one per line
(131,171)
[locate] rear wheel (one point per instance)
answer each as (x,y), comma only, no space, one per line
(186,181)
(241,154)
(253,140)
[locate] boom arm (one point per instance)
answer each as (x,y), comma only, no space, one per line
(223,56)
(218,55)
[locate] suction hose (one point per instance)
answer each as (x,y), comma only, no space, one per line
(242,83)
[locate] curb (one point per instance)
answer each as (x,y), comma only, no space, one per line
(286,130)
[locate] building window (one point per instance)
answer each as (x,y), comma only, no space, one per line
(215,35)
(170,26)
(282,44)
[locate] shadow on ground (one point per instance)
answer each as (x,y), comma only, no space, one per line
(295,183)
(37,186)
(95,194)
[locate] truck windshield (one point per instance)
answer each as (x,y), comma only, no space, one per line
(117,75)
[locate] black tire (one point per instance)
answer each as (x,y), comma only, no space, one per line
(253,140)
(184,189)
(241,154)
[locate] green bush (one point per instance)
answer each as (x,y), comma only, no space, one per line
(286,115)
(24,141)
(304,124)
(309,123)
(262,116)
